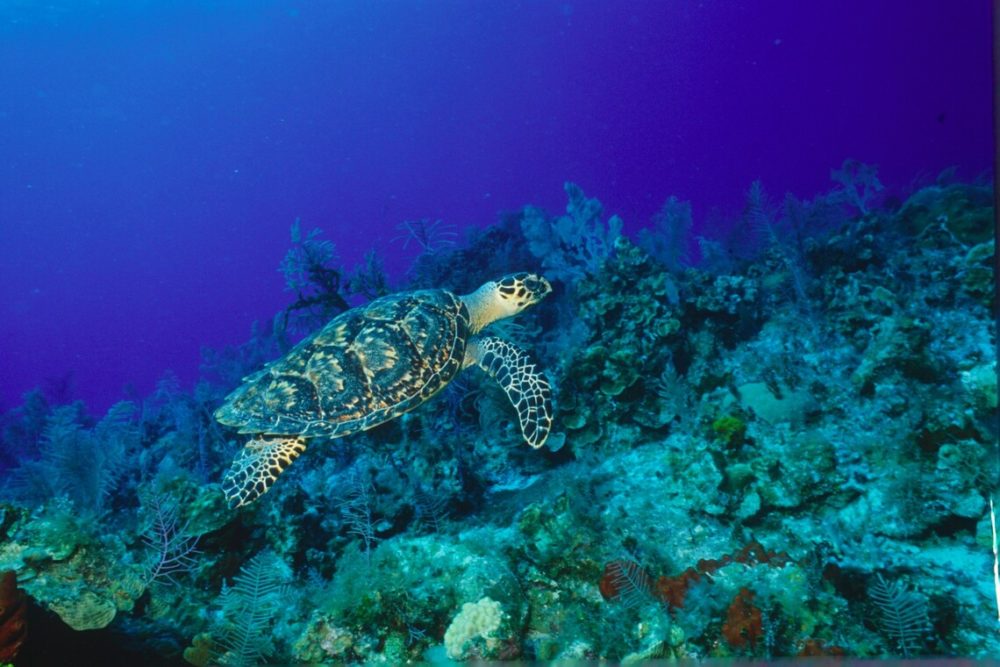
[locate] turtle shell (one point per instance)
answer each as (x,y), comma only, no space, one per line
(366,366)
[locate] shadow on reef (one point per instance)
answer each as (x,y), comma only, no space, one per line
(51,643)
(784,449)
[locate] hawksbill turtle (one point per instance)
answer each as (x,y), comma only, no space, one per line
(375,362)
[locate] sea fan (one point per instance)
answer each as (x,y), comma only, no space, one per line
(171,547)
(359,513)
(429,235)
(668,240)
(312,272)
(904,614)
(84,465)
(249,606)
(574,245)
(627,583)
(859,185)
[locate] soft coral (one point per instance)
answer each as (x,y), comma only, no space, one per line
(13,625)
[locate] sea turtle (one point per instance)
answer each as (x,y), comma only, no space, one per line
(371,364)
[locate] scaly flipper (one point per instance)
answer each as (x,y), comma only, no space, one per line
(517,373)
(257,466)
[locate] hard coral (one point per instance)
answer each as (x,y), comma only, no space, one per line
(474,632)
(966,210)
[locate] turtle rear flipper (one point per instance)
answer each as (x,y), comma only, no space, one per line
(518,375)
(257,466)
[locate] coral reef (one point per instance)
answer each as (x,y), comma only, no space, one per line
(785,449)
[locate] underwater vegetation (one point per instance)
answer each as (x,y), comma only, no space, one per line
(784,449)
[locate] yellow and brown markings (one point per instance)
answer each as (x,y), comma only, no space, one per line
(423,327)
(436,332)
(326,372)
(275,403)
(352,409)
(364,367)
(432,387)
(376,352)
(335,334)
(450,367)
(343,400)
(387,309)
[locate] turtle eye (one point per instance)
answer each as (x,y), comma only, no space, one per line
(536,286)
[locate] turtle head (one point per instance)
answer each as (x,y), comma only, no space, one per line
(520,290)
(505,297)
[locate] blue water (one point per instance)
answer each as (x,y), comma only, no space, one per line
(156,154)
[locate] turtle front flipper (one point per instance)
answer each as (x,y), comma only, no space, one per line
(257,466)
(518,375)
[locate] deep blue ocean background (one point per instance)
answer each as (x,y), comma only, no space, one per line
(154,155)
(749,410)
